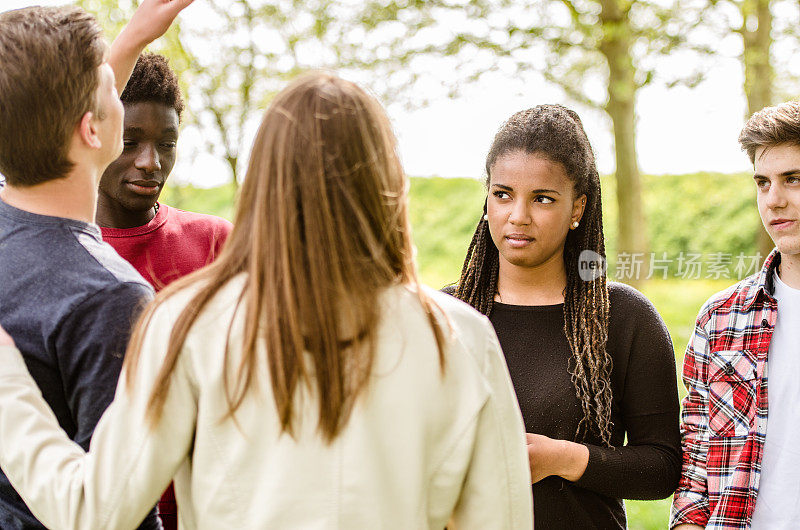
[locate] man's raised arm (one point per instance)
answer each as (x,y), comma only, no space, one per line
(150,21)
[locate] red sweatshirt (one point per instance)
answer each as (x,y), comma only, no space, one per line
(173,244)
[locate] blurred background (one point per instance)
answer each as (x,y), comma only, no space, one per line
(663,88)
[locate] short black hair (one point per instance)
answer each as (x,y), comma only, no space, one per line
(153,80)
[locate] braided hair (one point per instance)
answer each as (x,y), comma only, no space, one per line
(556,133)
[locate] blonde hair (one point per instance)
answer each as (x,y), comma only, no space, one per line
(320,231)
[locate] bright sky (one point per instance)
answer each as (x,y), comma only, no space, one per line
(680,130)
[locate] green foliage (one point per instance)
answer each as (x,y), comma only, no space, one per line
(648,515)
(217,201)
(444,213)
(678,302)
(702,213)
(698,213)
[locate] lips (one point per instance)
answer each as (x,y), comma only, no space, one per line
(782,224)
(519,240)
(144,187)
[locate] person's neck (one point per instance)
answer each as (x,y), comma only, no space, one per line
(543,284)
(111,214)
(70,197)
(789,270)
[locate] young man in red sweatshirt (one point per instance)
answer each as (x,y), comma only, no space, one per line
(161,242)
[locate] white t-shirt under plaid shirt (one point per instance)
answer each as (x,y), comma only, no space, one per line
(778,501)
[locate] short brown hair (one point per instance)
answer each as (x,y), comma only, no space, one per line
(771,126)
(49,76)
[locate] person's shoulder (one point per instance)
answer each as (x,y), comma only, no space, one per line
(469,326)
(631,311)
(450,311)
(128,297)
(452,306)
(449,289)
(727,300)
(68,259)
(627,299)
(223,302)
(197,220)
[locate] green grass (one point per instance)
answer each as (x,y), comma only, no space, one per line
(444,213)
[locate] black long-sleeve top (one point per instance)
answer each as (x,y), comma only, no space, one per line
(644,408)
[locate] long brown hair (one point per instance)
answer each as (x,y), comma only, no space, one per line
(556,133)
(321,229)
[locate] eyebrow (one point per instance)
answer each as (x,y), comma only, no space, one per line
(540,190)
(140,130)
(788,173)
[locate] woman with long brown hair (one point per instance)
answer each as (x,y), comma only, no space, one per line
(591,361)
(305,379)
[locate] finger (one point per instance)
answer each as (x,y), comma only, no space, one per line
(5,339)
(179,5)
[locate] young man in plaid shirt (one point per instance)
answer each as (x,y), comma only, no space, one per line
(741,419)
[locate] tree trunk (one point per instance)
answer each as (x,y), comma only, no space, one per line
(758,73)
(233,162)
(621,107)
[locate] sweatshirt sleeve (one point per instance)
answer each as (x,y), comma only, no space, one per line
(648,466)
(129,463)
(497,490)
(90,345)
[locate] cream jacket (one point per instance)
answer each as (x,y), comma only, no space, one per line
(419,450)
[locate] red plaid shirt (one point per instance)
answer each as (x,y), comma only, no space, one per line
(724,418)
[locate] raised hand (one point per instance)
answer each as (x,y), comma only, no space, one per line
(150,21)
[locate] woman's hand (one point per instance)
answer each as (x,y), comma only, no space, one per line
(548,457)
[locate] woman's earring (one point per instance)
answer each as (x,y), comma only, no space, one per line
(486,217)
(575,224)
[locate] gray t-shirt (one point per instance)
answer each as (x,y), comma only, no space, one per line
(69,302)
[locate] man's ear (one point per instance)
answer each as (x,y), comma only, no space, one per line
(87,130)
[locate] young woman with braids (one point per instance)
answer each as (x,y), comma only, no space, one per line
(592,362)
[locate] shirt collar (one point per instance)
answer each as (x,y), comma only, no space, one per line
(763,282)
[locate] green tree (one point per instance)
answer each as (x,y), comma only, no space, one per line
(756,27)
(600,52)
(234,55)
